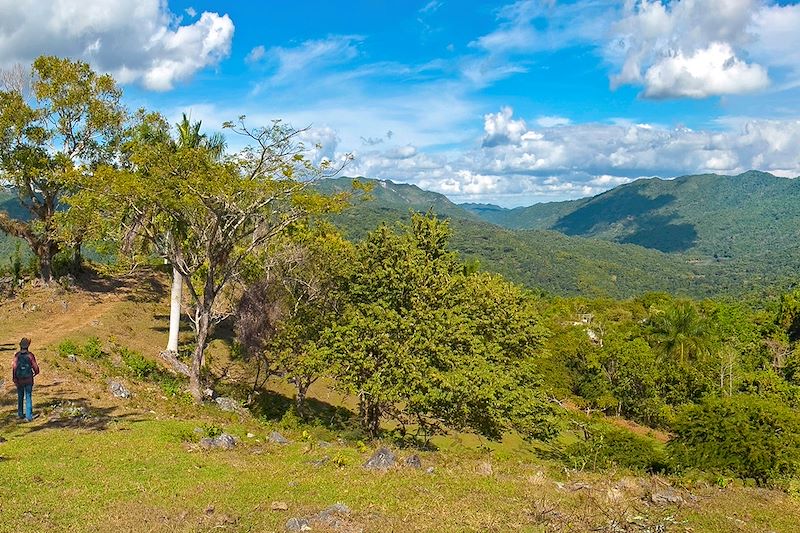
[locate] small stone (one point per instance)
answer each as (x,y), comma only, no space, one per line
(250,435)
(119,390)
(430,470)
(209,509)
(208,393)
(666,497)
(574,487)
(413,461)
(321,462)
(323,444)
(72,358)
(277,438)
(485,469)
(297,524)
(383,459)
(224,441)
(279,506)
(198,431)
(228,404)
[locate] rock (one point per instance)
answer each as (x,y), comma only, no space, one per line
(297,524)
(119,390)
(277,438)
(578,485)
(228,404)
(666,496)
(208,393)
(321,462)
(250,435)
(485,469)
(279,506)
(430,470)
(328,515)
(383,459)
(323,444)
(198,431)
(72,358)
(224,441)
(413,461)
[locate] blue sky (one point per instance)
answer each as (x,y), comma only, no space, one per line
(502,102)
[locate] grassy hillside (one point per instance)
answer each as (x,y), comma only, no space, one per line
(95,462)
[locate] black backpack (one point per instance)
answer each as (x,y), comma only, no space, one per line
(24,365)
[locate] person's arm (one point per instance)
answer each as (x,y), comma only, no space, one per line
(14,370)
(34,364)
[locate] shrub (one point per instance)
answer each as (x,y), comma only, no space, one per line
(611,447)
(93,349)
(742,435)
(138,365)
(68,347)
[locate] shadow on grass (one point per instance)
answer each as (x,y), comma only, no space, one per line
(66,413)
(270,405)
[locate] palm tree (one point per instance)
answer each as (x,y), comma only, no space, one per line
(681,332)
(189,136)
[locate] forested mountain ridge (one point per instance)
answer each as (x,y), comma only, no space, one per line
(708,215)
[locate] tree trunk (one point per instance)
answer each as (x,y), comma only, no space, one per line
(370,415)
(45,253)
(175,311)
(203,324)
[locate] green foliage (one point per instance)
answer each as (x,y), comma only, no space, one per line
(212,430)
(743,435)
(92,348)
(68,347)
(139,366)
(604,448)
(425,344)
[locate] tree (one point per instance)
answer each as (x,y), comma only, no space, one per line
(55,128)
(681,332)
(211,217)
(189,136)
(425,344)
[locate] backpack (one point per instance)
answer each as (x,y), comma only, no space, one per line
(24,365)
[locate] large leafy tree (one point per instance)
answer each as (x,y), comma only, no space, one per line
(209,216)
(425,344)
(56,126)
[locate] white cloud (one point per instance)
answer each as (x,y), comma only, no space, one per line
(136,40)
(256,54)
(312,55)
(500,128)
(706,72)
(551,121)
(702,48)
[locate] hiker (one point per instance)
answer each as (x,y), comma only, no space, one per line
(22,372)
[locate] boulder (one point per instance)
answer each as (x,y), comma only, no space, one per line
(413,461)
(668,496)
(485,469)
(119,390)
(228,404)
(279,506)
(383,459)
(297,524)
(224,442)
(277,438)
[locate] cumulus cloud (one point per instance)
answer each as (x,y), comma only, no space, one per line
(702,48)
(135,40)
(500,128)
(520,165)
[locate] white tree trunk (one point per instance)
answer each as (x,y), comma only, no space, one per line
(175,311)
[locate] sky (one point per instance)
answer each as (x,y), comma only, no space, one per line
(509,103)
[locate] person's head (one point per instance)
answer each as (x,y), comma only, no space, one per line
(24,343)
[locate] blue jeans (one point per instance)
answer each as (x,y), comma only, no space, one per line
(25,391)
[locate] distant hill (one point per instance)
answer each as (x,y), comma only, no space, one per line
(707,215)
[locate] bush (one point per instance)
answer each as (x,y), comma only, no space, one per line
(742,435)
(68,347)
(93,349)
(139,366)
(611,447)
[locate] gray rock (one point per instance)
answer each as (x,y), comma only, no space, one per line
(666,496)
(430,470)
(224,442)
(485,469)
(208,393)
(383,459)
(321,462)
(323,444)
(277,438)
(413,461)
(119,390)
(297,524)
(72,358)
(331,516)
(228,404)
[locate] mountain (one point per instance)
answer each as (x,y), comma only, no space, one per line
(539,259)
(705,216)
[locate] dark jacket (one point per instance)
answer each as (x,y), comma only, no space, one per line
(26,380)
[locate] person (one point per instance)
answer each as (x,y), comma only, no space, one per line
(23,370)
